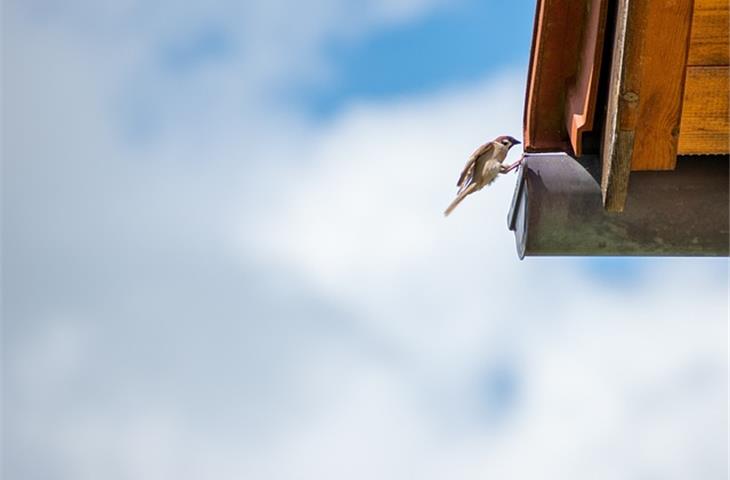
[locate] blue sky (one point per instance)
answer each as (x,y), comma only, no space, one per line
(450,46)
(224,257)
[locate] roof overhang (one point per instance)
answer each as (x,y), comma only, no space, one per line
(629,86)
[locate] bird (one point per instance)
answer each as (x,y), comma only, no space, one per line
(483,167)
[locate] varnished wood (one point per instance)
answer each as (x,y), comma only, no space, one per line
(657,77)
(705,127)
(581,98)
(554,61)
(710,40)
(645,92)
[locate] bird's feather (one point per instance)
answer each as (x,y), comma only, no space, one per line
(490,170)
(468,172)
(461,196)
(482,168)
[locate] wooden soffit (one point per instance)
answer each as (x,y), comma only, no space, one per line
(565,65)
(705,126)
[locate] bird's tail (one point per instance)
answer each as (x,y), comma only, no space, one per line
(461,196)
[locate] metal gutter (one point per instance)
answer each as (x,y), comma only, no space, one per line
(557,209)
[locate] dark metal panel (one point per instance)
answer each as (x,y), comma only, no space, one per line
(557,209)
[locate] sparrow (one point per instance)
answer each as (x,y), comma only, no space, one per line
(483,167)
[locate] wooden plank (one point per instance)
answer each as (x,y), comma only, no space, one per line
(645,92)
(553,64)
(710,40)
(657,77)
(618,144)
(580,103)
(705,127)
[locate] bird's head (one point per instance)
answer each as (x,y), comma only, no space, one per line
(507,141)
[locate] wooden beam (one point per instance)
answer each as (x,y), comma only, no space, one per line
(705,125)
(710,40)
(656,76)
(618,144)
(645,92)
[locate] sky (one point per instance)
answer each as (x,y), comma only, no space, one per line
(224,256)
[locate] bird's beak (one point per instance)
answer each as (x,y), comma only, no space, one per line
(517,142)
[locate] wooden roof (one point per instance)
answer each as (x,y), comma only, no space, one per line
(636,82)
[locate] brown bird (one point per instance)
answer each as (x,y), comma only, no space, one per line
(483,167)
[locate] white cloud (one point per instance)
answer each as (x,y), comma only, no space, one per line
(154,300)
(365,201)
(604,373)
(270,47)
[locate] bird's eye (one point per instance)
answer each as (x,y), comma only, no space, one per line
(505,142)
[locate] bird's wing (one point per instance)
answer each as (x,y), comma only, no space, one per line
(468,171)
(490,170)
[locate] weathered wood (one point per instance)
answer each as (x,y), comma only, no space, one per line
(618,145)
(645,92)
(705,127)
(580,103)
(710,39)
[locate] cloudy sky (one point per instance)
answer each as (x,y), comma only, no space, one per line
(224,257)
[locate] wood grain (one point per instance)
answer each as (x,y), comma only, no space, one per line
(660,39)
(617,144)
(645,92)
(710,40)
(705,127)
